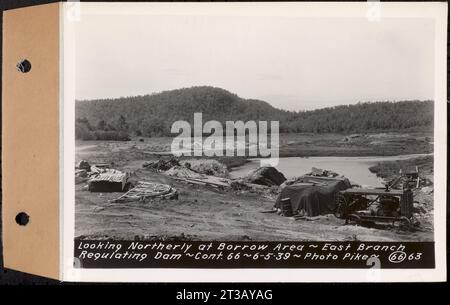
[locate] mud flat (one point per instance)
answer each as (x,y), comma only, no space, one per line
(293,145)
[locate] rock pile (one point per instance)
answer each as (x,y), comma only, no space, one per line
(265,175)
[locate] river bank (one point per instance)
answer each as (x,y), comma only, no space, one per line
(354,168)
(298,145)
(389,169)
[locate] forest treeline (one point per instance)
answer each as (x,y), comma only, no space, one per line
(154,114)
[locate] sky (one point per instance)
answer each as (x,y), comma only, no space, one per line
(294,63)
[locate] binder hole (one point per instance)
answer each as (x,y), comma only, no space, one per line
(22,219)
(24,66)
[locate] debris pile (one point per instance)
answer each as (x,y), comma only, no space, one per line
(209,167)
(318,172)
(144,191)
(186,174)
(240,185)
(317,176)
(212,181)
(410,180)
(162,164)
(81,175)
(100,177)
(84,165)
(182,172)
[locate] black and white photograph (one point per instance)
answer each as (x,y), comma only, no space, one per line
(247,144)
(260,124)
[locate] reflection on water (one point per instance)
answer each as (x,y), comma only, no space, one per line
(356,169)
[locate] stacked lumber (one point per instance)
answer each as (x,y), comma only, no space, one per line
(147,190)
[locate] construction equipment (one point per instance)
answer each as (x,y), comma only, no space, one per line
(363,205)
(410,180)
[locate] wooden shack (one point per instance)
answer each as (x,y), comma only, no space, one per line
(109,181)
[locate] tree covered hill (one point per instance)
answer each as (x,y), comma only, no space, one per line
(153,115)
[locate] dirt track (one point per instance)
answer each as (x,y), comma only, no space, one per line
(204,213)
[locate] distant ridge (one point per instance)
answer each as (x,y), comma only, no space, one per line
(153,114)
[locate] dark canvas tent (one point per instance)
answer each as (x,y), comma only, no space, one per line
(313,195)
